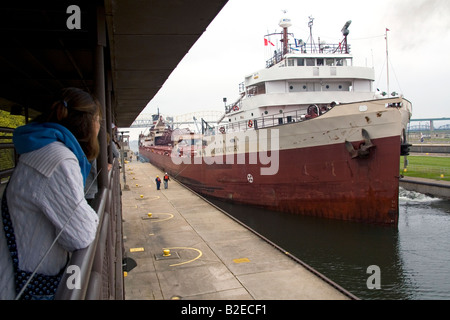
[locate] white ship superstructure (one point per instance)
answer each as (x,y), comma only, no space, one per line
(305,80)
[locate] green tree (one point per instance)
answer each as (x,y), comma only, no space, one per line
(7,156)
(9,121)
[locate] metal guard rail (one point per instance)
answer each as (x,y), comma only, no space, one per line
(266,121)
(95,273)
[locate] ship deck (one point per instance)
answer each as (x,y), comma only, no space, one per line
(212,257)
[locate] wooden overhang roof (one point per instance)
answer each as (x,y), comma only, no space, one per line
(145,41)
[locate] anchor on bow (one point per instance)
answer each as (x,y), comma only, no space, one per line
(364,148)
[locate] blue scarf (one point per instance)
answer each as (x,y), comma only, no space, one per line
(34,136)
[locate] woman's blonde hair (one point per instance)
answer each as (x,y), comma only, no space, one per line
(77,110)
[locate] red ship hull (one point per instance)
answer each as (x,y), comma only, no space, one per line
(322,181)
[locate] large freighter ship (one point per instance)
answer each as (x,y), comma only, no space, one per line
(307,135)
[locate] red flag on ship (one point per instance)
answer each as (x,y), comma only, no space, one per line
(267,42)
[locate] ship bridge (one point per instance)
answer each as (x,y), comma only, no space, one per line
(120,51)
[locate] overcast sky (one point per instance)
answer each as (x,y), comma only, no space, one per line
(233,47)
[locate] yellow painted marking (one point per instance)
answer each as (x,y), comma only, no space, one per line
(241,260)
(136,249)
(160,220)
(141,197)
(185,248)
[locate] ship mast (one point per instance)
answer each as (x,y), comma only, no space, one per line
(310,25)
(285,23)
(387,61)
(345,33)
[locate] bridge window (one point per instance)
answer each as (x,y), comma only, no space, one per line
(300,62)
(310,62)
(255,90)
(342,62)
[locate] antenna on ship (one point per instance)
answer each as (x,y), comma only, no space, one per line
(310,25)
(345,33)
(285,23)
(387,61)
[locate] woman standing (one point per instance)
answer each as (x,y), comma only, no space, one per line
(45,215)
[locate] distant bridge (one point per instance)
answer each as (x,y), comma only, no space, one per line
(149,122)
(431,119)
(430,124)
(192,118)
(427,127)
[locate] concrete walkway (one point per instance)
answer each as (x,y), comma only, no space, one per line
(212,256)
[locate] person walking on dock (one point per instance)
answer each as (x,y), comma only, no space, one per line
(158,183)
(166,181)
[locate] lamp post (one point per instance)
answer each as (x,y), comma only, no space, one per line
(225,103)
